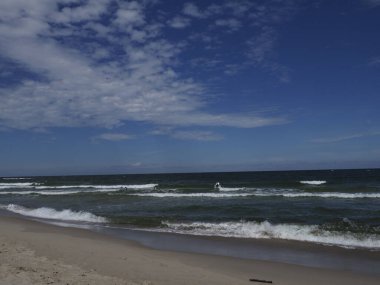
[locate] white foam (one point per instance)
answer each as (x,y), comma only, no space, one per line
(262,194)
(324,195)
(266,230)
(111,187)
(15,178)
(219,187)
(254,192)
(313,182)
(184,195)
(52,190)
(143,186)
(49,213)
(45,192)
(17,185)
(231,188)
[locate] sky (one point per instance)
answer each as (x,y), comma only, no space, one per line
(107,86)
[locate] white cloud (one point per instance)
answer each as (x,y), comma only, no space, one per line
(179,22)
(79,82)
(91,10)
(130,13)
(190,9)
(231,24)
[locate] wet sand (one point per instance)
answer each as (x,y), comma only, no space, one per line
(36,253)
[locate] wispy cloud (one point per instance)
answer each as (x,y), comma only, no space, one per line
(345,137)
(372,3)
(190,9)
(196,135)
(263,20)
(231,24)
(179,22)
(81,71)
(375,61)
(114,137)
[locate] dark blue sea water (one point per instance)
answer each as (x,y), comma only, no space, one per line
(331,207)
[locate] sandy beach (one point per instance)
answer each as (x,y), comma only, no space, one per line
(35,253)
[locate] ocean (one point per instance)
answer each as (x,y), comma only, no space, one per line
(328,207)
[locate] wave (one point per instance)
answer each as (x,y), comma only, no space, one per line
(49,213)
(46,192)
(313,182)
(17,185)
(219,187)
(262,194)
(323,195)
(79,188)
(111,187)
(143,186)
(294,193)
(184,195)
(65,190)
(266,230)
(16,178)
(227,189)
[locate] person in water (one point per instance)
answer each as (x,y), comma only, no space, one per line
(217,185)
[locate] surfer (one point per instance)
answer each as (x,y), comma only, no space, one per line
(217,186)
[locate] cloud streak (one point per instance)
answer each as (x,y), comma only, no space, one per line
(114,137)
(345,138)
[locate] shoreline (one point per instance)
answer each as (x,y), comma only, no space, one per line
(273,250)
(303,253)
(106,259)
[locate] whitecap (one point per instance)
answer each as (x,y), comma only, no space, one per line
(49,213)
(190,195)
(266,230)
(17,185)
(324,195)
(110,187)
(313,182)
(219,187)
(74,189)
(227,189)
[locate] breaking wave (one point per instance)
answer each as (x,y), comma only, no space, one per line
(179,195)
(227,189)
(326,195)
(17,185)
(16,178)
(313,182)
(219,187)
(266,230)
(52,190)
(49,213)
(261,193)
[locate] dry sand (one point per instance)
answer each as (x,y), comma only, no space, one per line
(37,253)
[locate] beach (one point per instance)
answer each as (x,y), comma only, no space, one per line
(38,253)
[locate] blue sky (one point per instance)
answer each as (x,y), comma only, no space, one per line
(105,86)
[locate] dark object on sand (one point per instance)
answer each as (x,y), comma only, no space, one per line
(261,281)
